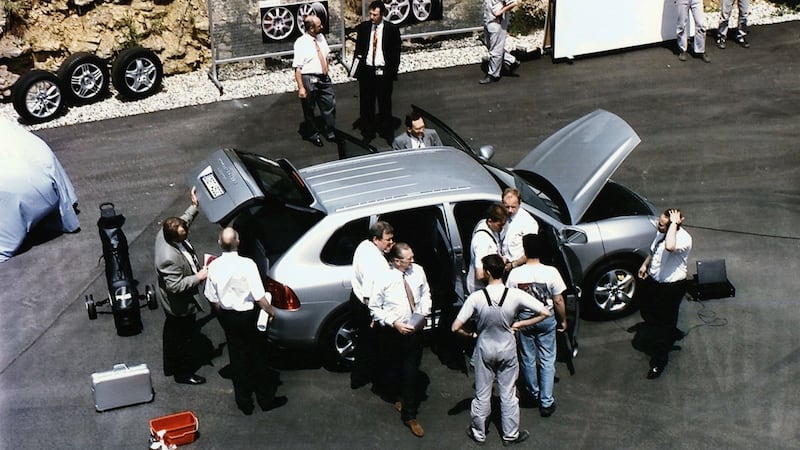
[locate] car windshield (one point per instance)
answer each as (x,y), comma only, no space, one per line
(277,179)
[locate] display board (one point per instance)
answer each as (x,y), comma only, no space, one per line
(591,26)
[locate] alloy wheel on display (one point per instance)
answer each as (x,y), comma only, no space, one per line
(397,10)
(278,23)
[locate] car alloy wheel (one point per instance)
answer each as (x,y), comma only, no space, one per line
(421,9)
(397,10)
(278,23)
(37,96)
(611,290)
(84,77)
(137,73)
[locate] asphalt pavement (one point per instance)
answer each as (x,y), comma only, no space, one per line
(719,141)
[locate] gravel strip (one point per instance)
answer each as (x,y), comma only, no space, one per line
(244,80)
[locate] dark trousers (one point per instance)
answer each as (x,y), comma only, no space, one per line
(179,337)
(373,87)
(247,349)
(319,89)
(365,341)
(399,364)
(660,307)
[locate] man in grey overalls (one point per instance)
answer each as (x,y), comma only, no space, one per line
(495,309)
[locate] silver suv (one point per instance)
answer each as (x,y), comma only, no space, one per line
(302,226)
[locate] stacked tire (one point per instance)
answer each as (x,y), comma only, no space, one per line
(84,78)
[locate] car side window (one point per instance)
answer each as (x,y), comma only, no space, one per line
(339,249)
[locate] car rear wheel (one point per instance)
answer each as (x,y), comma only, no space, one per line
(91,308)
(338,342)
(84,77)
(137,73)
(610,290)
(150,297)
(37,96)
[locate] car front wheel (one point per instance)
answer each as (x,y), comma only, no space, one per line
(338,343)
(610,290)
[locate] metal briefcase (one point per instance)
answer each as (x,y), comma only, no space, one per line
(122,386)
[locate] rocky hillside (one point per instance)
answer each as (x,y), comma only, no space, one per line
(41,33)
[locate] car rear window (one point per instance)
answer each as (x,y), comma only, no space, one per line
(277,179)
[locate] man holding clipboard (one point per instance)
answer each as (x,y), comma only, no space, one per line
(400,304)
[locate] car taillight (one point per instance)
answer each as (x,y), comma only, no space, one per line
(283,296)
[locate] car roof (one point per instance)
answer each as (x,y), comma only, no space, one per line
(396,176)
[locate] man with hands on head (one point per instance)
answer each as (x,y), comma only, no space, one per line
(664,274)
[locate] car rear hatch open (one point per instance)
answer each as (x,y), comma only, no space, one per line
(579,159)
(229,181)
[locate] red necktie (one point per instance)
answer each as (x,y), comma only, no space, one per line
(374,43)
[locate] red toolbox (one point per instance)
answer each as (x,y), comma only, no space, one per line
(179,428)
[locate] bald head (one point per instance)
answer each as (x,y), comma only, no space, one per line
(228,239)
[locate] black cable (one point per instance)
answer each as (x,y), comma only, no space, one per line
(748,233)
(708,317)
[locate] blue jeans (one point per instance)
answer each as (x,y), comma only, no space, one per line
(537,360)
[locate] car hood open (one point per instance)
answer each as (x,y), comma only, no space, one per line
(579,159)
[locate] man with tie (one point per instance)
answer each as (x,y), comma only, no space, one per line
(314,85)
(400,304)
(179,276)
(416,135)
(377,55)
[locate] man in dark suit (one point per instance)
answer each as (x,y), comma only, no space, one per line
(179,277)
(377,56)
(416,135)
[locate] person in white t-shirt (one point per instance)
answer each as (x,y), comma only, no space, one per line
(537,343)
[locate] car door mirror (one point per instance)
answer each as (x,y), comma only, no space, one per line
(486,152)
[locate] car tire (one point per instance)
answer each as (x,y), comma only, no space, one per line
(84,78)
(338,342)
(150,297)
(611,289)
(91,308)
(137,73)
(37,96)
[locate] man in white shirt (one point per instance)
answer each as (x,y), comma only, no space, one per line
(314,85)
(495,309)
(664,273)
(520,223)
(401,303)
(485,241)
(235,290)
(369,261)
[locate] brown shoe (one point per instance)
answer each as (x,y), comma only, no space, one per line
(416,428)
